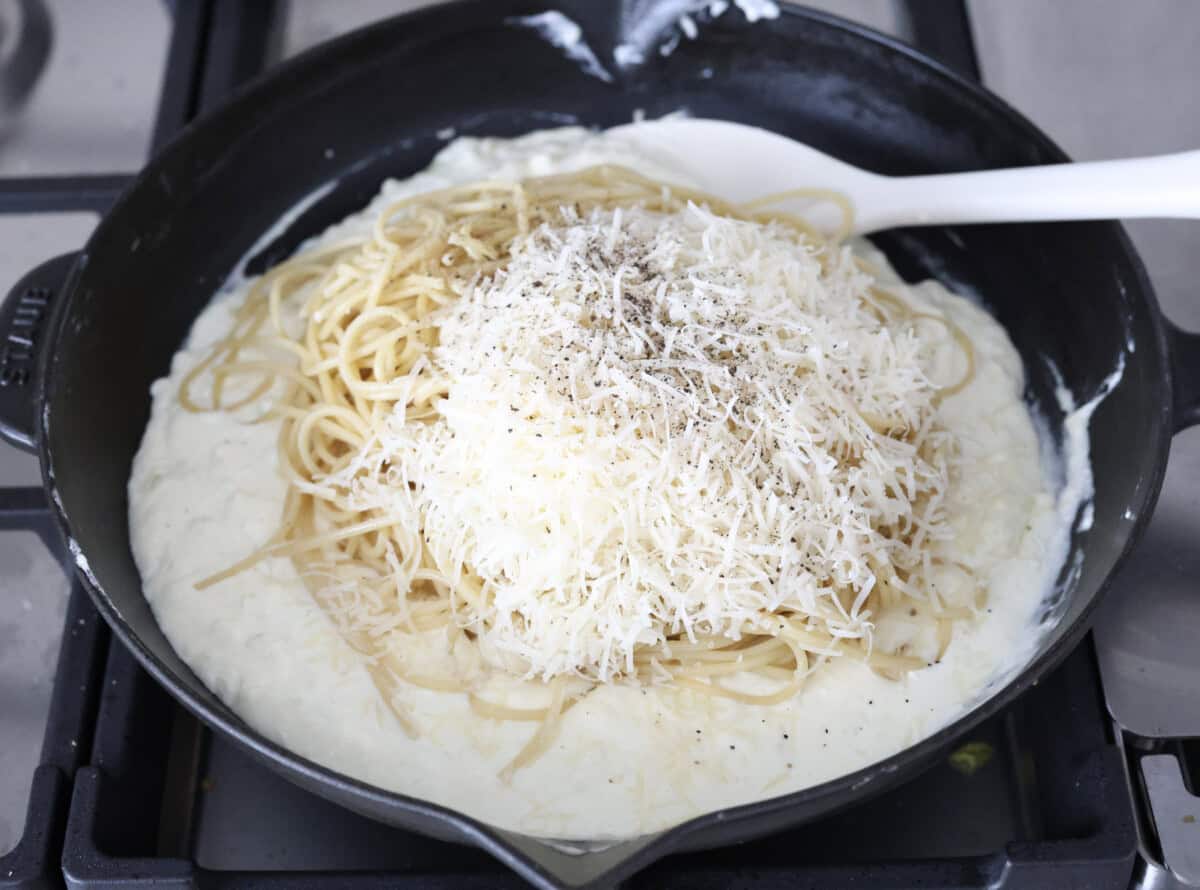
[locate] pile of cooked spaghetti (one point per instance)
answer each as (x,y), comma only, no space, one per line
(361,351)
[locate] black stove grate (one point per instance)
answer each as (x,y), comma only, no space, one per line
(1049,809)
(215,45)
(133,792)
(35,861)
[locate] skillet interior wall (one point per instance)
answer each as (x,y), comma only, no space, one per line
(370,107)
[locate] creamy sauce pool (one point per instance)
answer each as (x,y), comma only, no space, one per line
(206,489)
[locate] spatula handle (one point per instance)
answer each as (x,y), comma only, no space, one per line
(1162,186)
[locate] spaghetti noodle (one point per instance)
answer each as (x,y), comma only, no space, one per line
(342,337)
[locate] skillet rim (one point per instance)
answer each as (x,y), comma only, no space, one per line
(272,87)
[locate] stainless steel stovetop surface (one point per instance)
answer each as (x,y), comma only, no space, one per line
(1105,78)
(90,111)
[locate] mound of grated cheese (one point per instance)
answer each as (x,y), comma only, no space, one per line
(664,424)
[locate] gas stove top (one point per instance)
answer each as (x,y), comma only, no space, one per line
(104,781)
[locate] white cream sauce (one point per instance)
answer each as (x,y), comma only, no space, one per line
(206,489)
(667,21)
(564,34)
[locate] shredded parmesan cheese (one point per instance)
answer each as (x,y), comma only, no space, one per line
(664,424)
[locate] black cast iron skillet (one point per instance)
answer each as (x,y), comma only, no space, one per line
(369,106)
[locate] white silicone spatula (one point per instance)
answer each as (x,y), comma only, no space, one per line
(741,163)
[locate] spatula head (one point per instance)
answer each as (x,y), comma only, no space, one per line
(741,163)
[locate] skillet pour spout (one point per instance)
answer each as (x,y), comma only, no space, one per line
(87,335)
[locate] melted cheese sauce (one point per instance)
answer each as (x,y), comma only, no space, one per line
(206,489)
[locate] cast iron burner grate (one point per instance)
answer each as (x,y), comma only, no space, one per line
(133,792)
(35,860)
(165,803)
